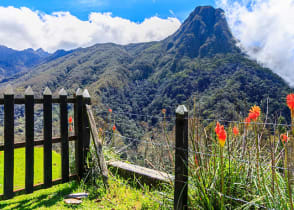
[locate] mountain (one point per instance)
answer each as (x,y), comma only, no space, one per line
(204,33)
(199,60)
(13,61)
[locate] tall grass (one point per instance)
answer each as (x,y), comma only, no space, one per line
(249,180)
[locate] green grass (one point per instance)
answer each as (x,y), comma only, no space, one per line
(19,167)
(122,194)
(119,196)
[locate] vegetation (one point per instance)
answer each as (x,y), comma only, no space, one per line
(238,165)
(120,196)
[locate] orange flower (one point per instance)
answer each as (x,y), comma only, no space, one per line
(110,110)
(217,128)
(290,103)
(70,120)
(100,130)
(221,134)
(284,138)
(113,128)
(163,111)
(254,113)
(236,131)
(247,120)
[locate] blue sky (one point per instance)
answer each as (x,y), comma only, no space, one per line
(135,10)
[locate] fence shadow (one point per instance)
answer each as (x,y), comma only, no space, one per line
(43,198)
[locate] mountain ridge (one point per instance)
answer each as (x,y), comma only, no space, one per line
(146,77)
(201,33)
(14,63)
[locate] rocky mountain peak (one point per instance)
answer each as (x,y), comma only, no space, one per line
(204,33)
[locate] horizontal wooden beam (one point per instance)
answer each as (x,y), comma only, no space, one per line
(144,175)
(39,186)
(39,142)
(39,101)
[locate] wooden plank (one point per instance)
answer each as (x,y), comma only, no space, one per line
(145,175)
(29,133)
(8,142)
(97,144)
(79,130)
(38,100)
(40,186)
(39,142)
(47,107)
(64,136)
(181,159)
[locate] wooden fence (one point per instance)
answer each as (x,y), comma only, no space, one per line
(81,137)
(84,125)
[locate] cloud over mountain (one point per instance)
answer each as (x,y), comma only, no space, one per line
(265,30)
(23,28)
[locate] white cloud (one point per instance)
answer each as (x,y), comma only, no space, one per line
(22,28)
(265,29)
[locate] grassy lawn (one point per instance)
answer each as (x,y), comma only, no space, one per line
(119,196)
(19,167)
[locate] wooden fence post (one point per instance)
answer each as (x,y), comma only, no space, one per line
(64,136)
(8,141)
(86,126)
(97,144)
(47,106)
(181,159)
(79,129)
(29,133)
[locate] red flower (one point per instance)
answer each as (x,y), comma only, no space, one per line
(254,113)
(290,103)
(221,134)
(217,128)
(247,120)
(110,110)
(113,128)
(284,138)
(70,120)
(236,131)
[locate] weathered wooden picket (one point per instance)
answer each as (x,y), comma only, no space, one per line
(81,137)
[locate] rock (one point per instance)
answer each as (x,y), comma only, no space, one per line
(78,195)
(72,201)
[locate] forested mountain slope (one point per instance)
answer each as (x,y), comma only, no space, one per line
(201,59)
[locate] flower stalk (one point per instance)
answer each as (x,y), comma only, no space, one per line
(222,136)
